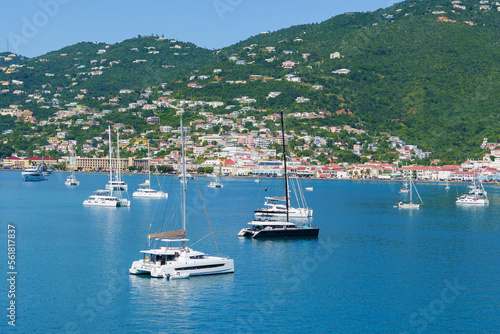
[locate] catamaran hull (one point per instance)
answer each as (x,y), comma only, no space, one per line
(291,232)
(106,204)
(473,201)
(175,270)
(72,183)
(33,177)
(139,194)
(408,206)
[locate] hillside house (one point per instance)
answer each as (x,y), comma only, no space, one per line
(342,71)
(335,55)
(153,120)
(289,64)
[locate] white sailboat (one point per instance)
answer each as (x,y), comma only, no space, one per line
(184,177)
(278,207)
(447,185)
(117,184)
(410,204)
(146,191)
(477,195)
(280,229)
(71,180)
(216,183)
(405,189)
(174,262)
(105,198)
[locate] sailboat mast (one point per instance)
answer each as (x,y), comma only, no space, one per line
(411,190)
(149,166)
(183,184)
(284,160)
(110,160)
(118,167)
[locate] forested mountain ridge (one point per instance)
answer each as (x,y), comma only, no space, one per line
(426,71)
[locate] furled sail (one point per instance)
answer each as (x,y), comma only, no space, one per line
(169,234)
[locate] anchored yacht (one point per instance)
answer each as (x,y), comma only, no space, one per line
(174,262)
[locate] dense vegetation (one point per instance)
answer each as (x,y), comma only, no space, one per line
(424,71)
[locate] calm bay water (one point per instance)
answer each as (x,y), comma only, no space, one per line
(374,268)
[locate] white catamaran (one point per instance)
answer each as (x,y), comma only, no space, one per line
(477,195)
(174,262)
(216,183)
(117,184)
(104,197)
(146,191)
(71,180)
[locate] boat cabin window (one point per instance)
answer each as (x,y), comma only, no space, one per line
(197,257)
(157,258)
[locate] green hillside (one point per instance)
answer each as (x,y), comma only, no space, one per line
(8,58)
(426,71)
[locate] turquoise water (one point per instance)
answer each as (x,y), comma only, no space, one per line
(374,268)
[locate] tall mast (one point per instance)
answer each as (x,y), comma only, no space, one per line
(284,160)
(183,184)
(411,185)
(110,161)
(118,167)
(149,167)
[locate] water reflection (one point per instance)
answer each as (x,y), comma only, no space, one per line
(182,301)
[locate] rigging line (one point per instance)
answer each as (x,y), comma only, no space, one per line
(206,214)
(208,234)
(164,219)
(151,222)
(164,212)
(160,184)
(258,195)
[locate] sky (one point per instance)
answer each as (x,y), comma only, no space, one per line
(34,27)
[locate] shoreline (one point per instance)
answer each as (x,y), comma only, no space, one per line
(266,177)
